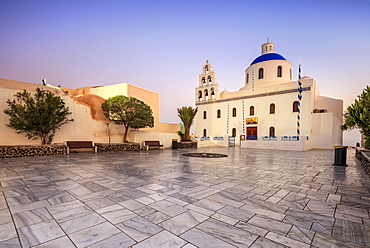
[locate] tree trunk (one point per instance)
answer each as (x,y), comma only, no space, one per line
(186,134)
(125,134)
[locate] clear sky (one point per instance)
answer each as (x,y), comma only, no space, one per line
(161,45)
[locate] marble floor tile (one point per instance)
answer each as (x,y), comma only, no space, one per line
(204,240)
(266,243)
(228,233)
(168,208)
(31,217)
(139,228)
(5,216)
(71,213)
(120,240)
(116,213)
(28,206)
(10,243)
(98,203)
(327,241)
(300,234)
(64,206)
(225,219)
(39,233)
(270,224)
(351,231)
(132,205)
(183,222)
(163,239)
(157,217)
(93,234)
(209,204)
(83,222)
(286,241)
(63,242)
(7,231)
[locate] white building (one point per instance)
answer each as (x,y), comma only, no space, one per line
(267,112)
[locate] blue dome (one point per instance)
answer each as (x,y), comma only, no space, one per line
(267,57)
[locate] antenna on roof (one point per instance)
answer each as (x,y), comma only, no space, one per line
(268,40)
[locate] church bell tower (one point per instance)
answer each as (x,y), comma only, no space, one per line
(208,89)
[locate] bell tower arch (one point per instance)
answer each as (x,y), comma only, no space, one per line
(208,89)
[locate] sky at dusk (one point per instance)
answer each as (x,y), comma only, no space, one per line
(162,45)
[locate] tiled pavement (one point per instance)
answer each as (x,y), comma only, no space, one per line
(159,198)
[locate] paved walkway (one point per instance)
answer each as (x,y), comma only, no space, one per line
(159,198)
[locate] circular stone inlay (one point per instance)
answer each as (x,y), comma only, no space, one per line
(204,155)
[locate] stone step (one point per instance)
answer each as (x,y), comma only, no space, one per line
(207,143)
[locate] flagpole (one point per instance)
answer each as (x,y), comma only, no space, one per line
(299,101)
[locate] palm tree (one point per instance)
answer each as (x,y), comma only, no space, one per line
(186,115)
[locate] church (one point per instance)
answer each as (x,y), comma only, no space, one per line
(270,111)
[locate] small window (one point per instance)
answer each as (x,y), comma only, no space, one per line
(205,92)
(204,132)
(200,94)
(251,110)
(209,79)
(218,113)
(272,132)
(234,112)
(290,74)
(233,132)
(295,106)
(204,80)
(272,108)
(260,73)
(280,71)
(204,114)
(247,80)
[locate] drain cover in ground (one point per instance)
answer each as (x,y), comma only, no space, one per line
(204,155)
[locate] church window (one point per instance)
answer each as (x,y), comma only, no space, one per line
(290,74)
(280,71)
(204,81)
(204,115)
(270,48)
(233,132)
(272,132)
(204,132)
(260,73)
(247,80)
(251,110)
(218,113)
(234,112)
(206,67)
(209,79)
(295,106)
(272,108)
(205,92)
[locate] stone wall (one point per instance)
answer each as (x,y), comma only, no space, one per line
(30,151)
(117,147)
(182,145)
(363,156)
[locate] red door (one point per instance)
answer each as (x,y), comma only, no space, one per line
(251,133)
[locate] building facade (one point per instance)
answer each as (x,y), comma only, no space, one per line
(269,111)
(89,123)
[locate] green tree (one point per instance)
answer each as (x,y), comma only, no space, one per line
(129,112)
(187,115)
(37,115)
(358,115)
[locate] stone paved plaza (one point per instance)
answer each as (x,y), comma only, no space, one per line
(159,198)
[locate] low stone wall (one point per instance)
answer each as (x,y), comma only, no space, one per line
(363,156)
(117,147)
(182,145)
(31,151)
